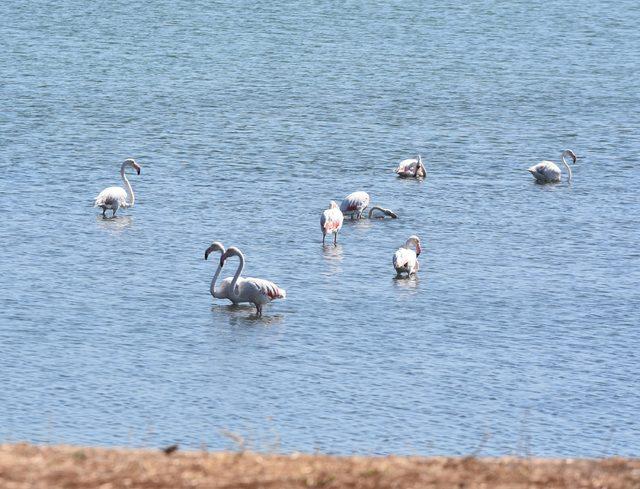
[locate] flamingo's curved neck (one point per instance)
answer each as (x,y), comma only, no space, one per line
(375,208)
(567,166)
(233,292)
(212,289)
(127,186)
(418,163)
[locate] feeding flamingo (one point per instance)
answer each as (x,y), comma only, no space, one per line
(355,204)
(549,172)
(331,222)
(115,197)
(411,168)
(405,259)
(222,292)
(255,290)
(385,212)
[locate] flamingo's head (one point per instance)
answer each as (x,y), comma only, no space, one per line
(215,246)
(230,252)
(570,153)
(132,163)
(391,214)
(416,242)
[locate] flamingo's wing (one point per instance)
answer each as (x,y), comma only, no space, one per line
(331,220)
(404,259)
(111,197)
(263,290)
(355,202)
(545,170)
(407,167)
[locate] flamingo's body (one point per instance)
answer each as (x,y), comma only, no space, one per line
(355,204)
(331,222)
(405,259)
(115,197)
(549,172)
(222,291)
(255,290)
(411,168)
(385,212)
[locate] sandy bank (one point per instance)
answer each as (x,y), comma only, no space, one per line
(23,466)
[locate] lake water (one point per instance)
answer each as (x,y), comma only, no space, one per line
(519,334)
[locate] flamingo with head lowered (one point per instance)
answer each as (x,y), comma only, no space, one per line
(222,292)
(331,222)
(549,172)
(405,259)
(255,290)
(385,212)
(411,168)
(115,197)
(355,204)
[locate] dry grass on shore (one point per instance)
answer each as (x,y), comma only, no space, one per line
(28,466)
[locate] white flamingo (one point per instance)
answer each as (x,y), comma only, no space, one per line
(385,212)
(222,292)
(115,197)
(331,222)
(255,290)
(411,168)
(405,260)
(355,204)
(549,172)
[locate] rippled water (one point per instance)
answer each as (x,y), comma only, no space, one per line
(518,336)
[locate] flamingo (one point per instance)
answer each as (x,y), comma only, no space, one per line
(355,204)
(411,168)
(255,290)
(549,172)
(331,222)
(387,212)
(115,197)
(405,259)
(222,292)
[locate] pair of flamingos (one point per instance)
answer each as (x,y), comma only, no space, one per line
(354,205)
(254,290)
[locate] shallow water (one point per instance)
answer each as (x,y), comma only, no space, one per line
(519,335)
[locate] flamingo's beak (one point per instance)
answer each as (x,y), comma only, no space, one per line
(207,252)
(530,171)
(138,170)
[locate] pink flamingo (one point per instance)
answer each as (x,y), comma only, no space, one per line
(331,222)
(355,204)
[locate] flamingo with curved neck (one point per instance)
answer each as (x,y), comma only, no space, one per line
(115,197)
(385,212)
(255,290)
(405,259)
(549,172)
(222,292)
(411,168)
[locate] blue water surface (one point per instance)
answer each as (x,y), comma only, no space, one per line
(518,336)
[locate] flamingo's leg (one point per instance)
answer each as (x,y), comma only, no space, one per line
(335,239)
(323,236)
(259,310)
(104,209)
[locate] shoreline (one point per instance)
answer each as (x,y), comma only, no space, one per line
(60,466)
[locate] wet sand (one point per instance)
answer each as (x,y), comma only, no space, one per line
(28,466)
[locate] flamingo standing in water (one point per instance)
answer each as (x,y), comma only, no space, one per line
(405,260)
(355,204)
(411,168)
(222,292)
(115,197)
(549,172)
(385,212)
(331,222)
(255,290)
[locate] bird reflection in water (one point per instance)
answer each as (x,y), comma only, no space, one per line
(115,225)
(409,284)
(245,315)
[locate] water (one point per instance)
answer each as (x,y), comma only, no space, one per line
(518,336)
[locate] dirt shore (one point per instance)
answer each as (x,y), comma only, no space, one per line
(23,466)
